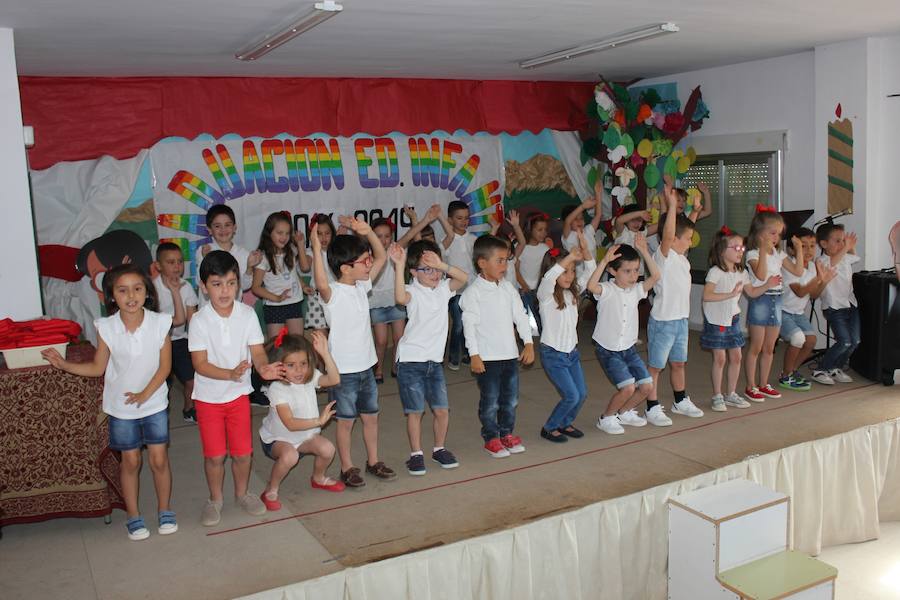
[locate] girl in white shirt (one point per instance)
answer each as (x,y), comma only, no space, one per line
(764,261)
(135,356)
(528,268)
(292,427)
(726,280)
(275,278)
(558,295)
(321,226)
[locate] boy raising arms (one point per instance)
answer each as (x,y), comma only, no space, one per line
(346,305)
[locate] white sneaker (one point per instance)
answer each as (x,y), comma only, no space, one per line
(734,399)
(252,505)
(840,376)
(631,418)
(657,416)
(822,377)
(610,425)
(212,513)
(718,403)
(686,408)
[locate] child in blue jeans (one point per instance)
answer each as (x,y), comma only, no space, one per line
(491,308)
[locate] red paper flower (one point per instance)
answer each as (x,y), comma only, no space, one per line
(636,159)
(674,122)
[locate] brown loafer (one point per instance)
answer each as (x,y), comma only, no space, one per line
(352,478)
(381,471)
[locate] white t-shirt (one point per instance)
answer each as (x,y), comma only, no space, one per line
(241,255)
(133,361)
(839,291)
(490,310)
(167,304)
(459,254)
(382,294)
(773,267)
(560,325)
(511,272)
(301,397)
(673,290)
(425,335)
(347,313)
(227,342)
(284,279)
(530,263)
(792,303)
(617,316)
(722,312)
(590,237)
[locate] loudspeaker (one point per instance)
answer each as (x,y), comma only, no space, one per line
(878,353)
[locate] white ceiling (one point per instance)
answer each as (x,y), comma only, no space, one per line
(465,39)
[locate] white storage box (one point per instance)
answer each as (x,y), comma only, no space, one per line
(19,358)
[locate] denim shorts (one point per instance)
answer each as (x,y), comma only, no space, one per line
(387,314)
(720,337)
(267,449)
(765,310)
(357,394)
(182,367)
(791,323)
(131,434)
(623,367)
(421,382)
(667,341)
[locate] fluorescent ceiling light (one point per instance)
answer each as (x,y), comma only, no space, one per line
(613,41)
(322,11)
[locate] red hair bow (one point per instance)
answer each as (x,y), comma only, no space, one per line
(312,222)
(554,252)
(286,213)
(761,208)
(726,230)
(279,339)
(391,224)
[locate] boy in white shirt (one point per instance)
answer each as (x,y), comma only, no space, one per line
(224,338)
(838,302)
(177,298)
(617,329)
(222,226)
(491,308)
(346,305)
(458,244)
(667,328)
(420,352)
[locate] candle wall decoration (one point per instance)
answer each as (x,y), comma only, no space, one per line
(840,164)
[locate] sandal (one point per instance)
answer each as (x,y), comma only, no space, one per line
(167,522)
(329,485)
(381,471)
(271,505)
(136,529)
(352,478)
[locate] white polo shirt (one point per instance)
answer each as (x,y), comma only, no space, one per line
(425,335)
(241,255)
(839,291)
(617,316)
(301,398)
(227,342)
(167,303)
(347,313)
(773,267)
(560,325)
(790,302)
(721,312)
(133,361)
(284,279)
(490,310)
(530,264)
(673,289)
(459,254)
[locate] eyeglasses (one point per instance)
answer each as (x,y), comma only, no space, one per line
(367,260)
(427,270)
(737,248)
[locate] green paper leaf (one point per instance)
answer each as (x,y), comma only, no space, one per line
(592,178)
(651,175)
(631,111)
(671,167)
(611,138)
(628,143)
(650,97)
(621,93)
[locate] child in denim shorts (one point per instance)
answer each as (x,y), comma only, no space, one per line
(617,329)
(421,349)
(346,305)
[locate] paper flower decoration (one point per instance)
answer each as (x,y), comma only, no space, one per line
(617,154)
(602,98)
(644,113)
(621,194)
(625,175)
(674,122)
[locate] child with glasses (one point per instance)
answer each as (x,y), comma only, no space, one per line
(350,342)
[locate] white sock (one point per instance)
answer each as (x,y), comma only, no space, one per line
(436,448)
(417,453)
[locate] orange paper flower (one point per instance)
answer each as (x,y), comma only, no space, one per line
(644,113)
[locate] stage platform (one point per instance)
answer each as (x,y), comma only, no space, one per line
(318,533)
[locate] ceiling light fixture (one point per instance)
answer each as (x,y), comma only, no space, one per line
(321,12)
(613,41)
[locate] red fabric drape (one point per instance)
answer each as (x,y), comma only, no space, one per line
(79,118)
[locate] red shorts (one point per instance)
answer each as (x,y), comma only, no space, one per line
(225,427)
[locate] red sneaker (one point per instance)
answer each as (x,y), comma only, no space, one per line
(495,448)
(769,392)
(512,443)
(754,395)
(271,505)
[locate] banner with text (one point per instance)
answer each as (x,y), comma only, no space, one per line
(363,176)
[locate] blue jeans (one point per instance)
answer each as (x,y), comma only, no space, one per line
(499,387)
(564,371)
(356,394)
(132,434)
(529,299)
(421,383)
(844,323)
(457,345)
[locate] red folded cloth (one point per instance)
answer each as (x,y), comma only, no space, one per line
(39,332)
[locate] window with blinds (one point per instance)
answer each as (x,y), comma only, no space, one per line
(737,183)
